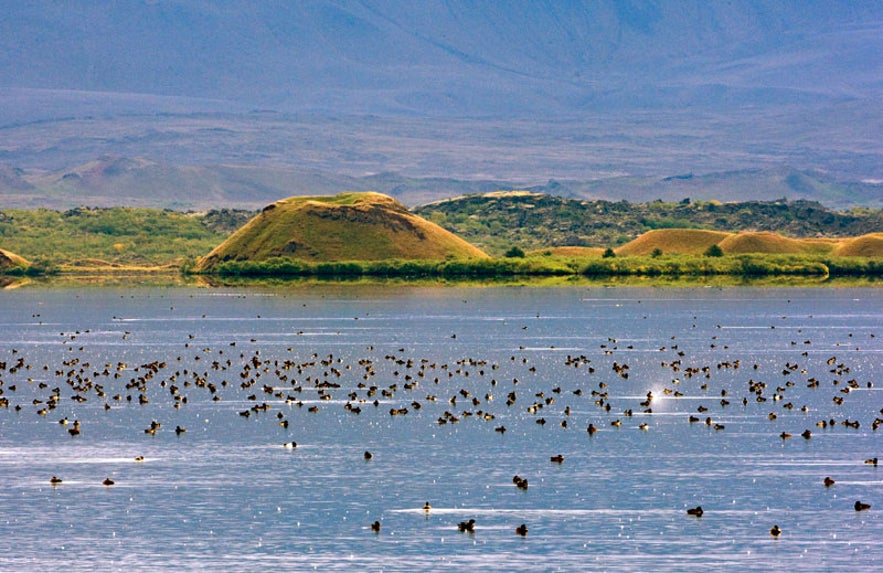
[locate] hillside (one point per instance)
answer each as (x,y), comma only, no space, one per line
(349,226)
(698,242)
(677,241)
(12,262)
(497,221)
(611,99)
(116,180)
(446,57)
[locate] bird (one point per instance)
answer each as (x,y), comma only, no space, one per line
(559,459)
(107,481)
(289,445)
(375,527)
(55,480)
(861,506)
(697,511)
(426,506)
(521,529)
(775,531)
(829,482)
(368,455)
(466,526)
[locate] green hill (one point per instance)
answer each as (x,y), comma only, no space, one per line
(345,227)
(697,242)
(498,221)
(673,241)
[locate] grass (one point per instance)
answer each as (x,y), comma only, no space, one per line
(671,266)
(351,226)
(669,241)
(694,242)
(120,237)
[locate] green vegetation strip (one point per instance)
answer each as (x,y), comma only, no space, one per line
(650,266)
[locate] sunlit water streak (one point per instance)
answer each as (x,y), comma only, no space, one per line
(226,495)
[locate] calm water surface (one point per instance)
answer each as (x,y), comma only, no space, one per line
(426,379)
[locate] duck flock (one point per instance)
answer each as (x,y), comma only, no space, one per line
(701,385)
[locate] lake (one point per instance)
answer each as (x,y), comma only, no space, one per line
(739,400)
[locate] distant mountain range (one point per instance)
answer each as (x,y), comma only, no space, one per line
(588,93)
(110,181)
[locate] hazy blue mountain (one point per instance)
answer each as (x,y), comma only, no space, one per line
(439,57)
(609,87)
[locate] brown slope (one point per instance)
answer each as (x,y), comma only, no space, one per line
(345,227)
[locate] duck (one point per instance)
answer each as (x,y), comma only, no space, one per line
(559,459)
(775,531)
(54,480)
(107,481)
(861,506)
(697,511)
(871,461)
(829,482)
(591,429)
(426,506)
(368,455)
(521,529)
(375,527)
(289,445)
(466,526)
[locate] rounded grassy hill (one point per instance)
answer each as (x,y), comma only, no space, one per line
(344,227)
(697,242)
(680,241)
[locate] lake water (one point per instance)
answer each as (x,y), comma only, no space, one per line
(449,368)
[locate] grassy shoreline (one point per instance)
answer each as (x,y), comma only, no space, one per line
(667,266)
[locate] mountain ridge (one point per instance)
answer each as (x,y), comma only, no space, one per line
(137,181)
(466,90)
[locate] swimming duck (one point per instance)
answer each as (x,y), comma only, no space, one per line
(697,511)
(107,481)
(829,482)
(466,526)
(871,462)
(55,480)
(368,455)
(559,459)
(861,506)
(375,527)
(289,445)
(521,529)
(426,506)
(775,531)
